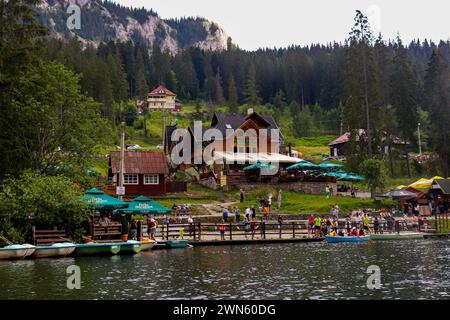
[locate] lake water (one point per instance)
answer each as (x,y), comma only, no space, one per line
(416,269)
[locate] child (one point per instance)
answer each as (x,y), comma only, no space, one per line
(222,230)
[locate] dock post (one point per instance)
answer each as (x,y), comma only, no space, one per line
(167,232)
(199,231)
(231,231)
(293,230)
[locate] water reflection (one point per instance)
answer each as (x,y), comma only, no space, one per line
(409,270)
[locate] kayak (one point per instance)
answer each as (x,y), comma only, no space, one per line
(16,251)
(55,250)
(96,249)
(347,239)
(129,247)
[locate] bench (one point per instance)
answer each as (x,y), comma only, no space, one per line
(48,237)
(110,231)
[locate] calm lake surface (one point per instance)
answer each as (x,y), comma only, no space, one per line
(410,269)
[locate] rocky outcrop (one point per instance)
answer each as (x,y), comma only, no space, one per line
(105,21)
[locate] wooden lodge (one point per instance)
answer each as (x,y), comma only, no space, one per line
(233,152)
(145,172)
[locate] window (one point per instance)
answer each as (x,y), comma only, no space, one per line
(130,179)
(151,179)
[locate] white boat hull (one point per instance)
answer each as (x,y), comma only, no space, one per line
(53,251)
(15,252)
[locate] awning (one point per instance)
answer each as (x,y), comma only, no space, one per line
(260,165)
(144,205)
(423,183)
(99,200)
(303,165)
(398,193)
(230,157)
(330,166)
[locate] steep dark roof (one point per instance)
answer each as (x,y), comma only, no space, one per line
(444,185)
(220,121)
(140,162)
(161,90)
(360,132)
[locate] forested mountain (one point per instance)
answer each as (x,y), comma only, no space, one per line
(101,21)
(384,87)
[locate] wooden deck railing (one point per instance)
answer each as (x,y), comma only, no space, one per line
(271,229)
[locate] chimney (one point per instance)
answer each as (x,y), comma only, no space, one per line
(249,111)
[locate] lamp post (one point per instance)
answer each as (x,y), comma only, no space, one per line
(420,144)
(122,157)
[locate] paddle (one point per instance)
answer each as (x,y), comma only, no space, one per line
(6,240)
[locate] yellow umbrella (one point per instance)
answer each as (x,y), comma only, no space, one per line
(437,178)
(422,183)
(401,186)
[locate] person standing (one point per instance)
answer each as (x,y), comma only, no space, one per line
(317,226)
(269,202)
(253,211)
(222,230)
(191,225)
(311,225)
(241,195)
(253,227)
(280,224)
(279,199)
(248,213)
(151,227)
(237,215)
(327,192)
(225,214)
(262,228)
(133,230)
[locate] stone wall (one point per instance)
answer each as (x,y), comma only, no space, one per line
(300,186)
(209,183)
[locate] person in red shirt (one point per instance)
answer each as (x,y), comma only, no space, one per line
(222,230)
(253,227)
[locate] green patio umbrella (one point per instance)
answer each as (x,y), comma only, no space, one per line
(352,177)
(144,205)
(303,165)
(259,165)
(330,166)
(100,200)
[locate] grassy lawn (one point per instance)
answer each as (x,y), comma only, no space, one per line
(297,203)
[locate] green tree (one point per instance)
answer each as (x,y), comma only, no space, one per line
(404,93)
(41,201)
(374,172)
(218,89)
(437,88)
(360,81)
(232,95)
(50,121)
(251,89)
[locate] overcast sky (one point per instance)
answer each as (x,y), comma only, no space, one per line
(278,23)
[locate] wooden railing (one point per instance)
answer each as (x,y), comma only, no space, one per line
(210,231)
(198,231)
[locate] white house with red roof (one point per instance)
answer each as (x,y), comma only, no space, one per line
(162,99)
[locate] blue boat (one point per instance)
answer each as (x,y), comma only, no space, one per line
(171,244)
(347,239)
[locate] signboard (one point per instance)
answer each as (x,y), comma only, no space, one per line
(120,191)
